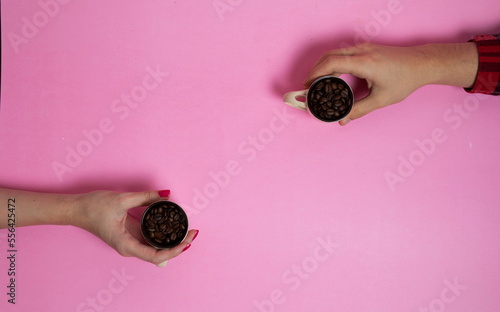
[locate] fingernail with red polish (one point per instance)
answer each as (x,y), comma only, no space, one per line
(195,234)
(165,193)
(186,248)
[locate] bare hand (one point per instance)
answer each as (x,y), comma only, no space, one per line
(393,73)
(104,214)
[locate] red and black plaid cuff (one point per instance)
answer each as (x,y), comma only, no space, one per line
(488,73)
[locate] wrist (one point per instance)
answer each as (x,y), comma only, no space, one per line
(63,210)
(77,214)
(453,64)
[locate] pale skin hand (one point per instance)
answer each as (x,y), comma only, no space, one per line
(393,73)
(102,213)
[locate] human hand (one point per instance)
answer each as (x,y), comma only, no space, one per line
(393,73)
(104,213)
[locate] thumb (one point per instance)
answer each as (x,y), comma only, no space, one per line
(137,199)
(363,106)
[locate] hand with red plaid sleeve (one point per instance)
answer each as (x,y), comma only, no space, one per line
(393,73)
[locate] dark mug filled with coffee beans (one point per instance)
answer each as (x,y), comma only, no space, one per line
(328,99)
(164,224)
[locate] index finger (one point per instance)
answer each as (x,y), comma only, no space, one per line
(333,65)
(349,51)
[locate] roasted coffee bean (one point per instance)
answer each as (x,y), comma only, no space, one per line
(165,225)
(329,99)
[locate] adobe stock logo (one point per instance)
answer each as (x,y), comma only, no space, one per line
(294,277)
(120,109)
(248,148)
(30,28)
(448,295)
(105,296)
(380,20)
(426,147)
(223,6)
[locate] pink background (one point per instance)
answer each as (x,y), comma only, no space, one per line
(307,220)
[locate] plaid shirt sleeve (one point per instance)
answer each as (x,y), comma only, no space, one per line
(488,74)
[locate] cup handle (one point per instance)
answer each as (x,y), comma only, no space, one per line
(290,98)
